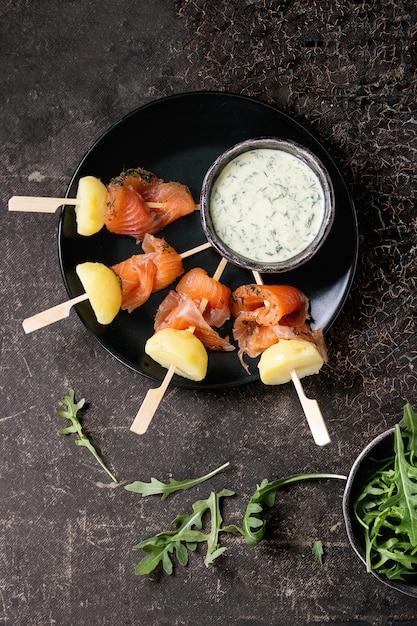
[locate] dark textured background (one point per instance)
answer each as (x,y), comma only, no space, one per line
(69,70)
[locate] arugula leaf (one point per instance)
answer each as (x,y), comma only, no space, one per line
(405,497)
(213,543)
(185,537)
(253,528)
(156,487)
(387,506)
(76,428)
(317,550)
(409,423)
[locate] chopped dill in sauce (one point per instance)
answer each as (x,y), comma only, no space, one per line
(267,205)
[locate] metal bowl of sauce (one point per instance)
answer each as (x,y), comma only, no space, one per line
(267,204)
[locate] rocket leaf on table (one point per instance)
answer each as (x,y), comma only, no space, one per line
(161,547)
(185,537)
(253,527)
(317,550)
(76,428)
(156,487)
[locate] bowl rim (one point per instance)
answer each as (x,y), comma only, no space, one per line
(347,507)
(297,150)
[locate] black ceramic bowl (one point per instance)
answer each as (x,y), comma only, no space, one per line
(370,458)
(300,157)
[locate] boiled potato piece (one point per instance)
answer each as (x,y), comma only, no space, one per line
(180,348)
(277,361)
(89,213)
(102,288)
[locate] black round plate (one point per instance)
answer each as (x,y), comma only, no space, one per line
(178,138)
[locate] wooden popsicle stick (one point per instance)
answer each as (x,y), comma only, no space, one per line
(310,407)
(49,316)
(32,204)
(154,396)
(42,204)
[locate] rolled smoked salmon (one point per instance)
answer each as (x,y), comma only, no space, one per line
(168,262)
(270,304)
(144,274)
(264,314)
(176,200)
(127,212)
(186,314)
(137,275)
(180,308)
(197,284)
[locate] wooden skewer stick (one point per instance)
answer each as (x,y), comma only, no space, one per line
(61,311)
(32,204)
(154,396)
(159,205)
(192,251)
(310,407)
(49,316)
(41,204)
(312,412)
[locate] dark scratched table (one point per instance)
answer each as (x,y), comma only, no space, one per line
(70,70)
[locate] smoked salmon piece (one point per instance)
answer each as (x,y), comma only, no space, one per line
(197,284)
(137,275)
(144,274)
(168,262)
(269,304)
(170,302)
(138,178)
(180,308)
(253,340)
(127,213)
(176,200)
(264,314)
(185,314)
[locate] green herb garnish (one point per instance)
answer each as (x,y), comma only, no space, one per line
(254,526)
(386,507)
(156,487)
(186,537)
(317,550)
(76,428)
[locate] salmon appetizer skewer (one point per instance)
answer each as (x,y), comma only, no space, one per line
(144,274)
(180,308)
(176,200)
(185,314)
(264,314)
(197,284)
(168,262)
(270,304)
(137,276)
(127,212)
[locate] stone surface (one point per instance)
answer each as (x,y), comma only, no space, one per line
(346,70)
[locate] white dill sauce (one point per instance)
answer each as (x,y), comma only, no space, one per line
(267,205)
